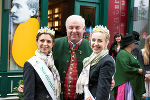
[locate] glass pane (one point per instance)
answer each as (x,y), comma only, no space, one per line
(56,29)
(88,13)
(50,11)
(59,23)
(141,23)
(53,23)
(56,10)
(56,16)
(50,24)
(56,23)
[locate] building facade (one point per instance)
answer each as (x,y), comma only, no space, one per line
(120,16)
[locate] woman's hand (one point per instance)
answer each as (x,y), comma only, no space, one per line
(112,84)
(147,77)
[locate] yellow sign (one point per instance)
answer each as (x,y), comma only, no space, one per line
(24,41)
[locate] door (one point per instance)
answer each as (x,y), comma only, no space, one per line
(90,10)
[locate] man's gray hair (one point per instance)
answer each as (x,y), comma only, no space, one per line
(33,4)
(76,17)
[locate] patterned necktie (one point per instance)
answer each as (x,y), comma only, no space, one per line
(71,75)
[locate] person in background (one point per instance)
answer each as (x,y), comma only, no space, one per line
(40,77)
(136,49)
(129,80)
(98,68)
(22,10)
(144,59)
(115,47)
(69,53)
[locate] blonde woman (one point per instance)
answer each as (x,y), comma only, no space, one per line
(98,69)
(144,58)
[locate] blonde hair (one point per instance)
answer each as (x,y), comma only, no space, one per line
(101,29)
(146,51)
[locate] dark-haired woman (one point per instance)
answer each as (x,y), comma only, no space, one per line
(41,78)
(115,47)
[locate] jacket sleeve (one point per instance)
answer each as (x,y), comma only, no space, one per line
(125,64)
(106,72)
(141,60)
(29,81)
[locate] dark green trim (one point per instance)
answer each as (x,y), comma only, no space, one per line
(4,39)
(94,1)
(101,13)
(129,16)
(44,13)
(11,72)
(104,12)
(80,3)
(6,80)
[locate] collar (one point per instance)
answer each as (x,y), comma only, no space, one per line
(78,43)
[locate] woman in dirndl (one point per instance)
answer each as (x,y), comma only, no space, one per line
(129,80)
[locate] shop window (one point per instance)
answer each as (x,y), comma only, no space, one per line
(54,18)
(141,23)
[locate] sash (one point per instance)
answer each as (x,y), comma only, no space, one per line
(45,75)
(87,94)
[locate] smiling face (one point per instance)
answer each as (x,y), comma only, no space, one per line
(45,43)
(98,42)
(118,39)
(75,30)
(20,11)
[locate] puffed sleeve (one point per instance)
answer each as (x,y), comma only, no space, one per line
(106,73)
(29,81)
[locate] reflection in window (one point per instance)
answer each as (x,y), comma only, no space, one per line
(56,10)
(54,18)
(88,13)
(141,24)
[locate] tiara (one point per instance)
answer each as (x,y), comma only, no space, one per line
(46,30)
(100,28)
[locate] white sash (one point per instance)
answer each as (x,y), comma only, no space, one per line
(45,75)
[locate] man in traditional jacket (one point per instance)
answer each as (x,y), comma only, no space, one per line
(69,53)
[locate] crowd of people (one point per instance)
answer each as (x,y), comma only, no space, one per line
(73,68)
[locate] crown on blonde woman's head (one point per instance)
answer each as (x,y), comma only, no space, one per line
(101,28)
(46,30)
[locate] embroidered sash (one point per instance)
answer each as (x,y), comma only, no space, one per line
(45,75)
